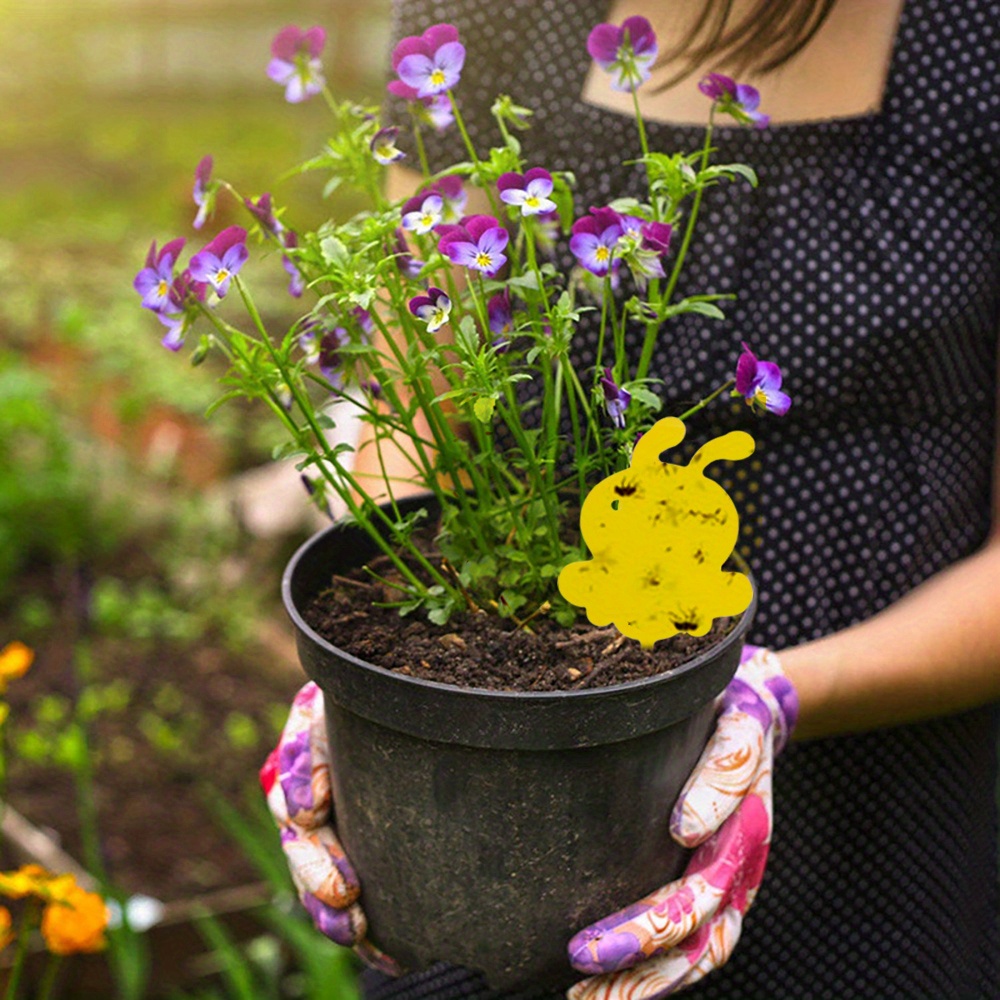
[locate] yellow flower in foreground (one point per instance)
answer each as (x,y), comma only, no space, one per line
(75,922)
(6,934)
(28,880)
(15,659)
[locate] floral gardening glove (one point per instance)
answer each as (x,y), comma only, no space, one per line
(679,933)
(296,781)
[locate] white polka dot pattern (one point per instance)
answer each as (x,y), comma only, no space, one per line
(866,264)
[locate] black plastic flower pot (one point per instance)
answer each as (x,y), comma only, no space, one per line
(488,827)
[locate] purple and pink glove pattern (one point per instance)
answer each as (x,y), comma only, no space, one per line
(679,933)
(296,781)
(652,948)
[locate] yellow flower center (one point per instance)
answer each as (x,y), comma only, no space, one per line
(483,259)
(437,77)
(602,253)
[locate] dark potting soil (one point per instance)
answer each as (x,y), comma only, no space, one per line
(485,651)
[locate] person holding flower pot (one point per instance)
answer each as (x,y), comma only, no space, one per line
(867,257)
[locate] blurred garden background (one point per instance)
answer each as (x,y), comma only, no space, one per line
(163,664)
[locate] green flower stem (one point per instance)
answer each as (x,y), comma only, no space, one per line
(471,150)
(708,399)
(28,920)
(418,138)
(449,457)
(639,123)
(605,298)
(651,330)
(544,489)
(342,475)
(574,419)
(49,978)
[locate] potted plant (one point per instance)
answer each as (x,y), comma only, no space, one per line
(489,822)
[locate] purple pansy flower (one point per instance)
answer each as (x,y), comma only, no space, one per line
(501,319)
(595,238)
(405,261)
(321,345)
(627,52)
(154,282)
(435,110)
(219,261)
(438,112)
(296,283)
(737,99)
(759,383)
(454,196)
(430,63)
(204,191)
(364,320)
(642,246)
(434,308)
(180,314)
(295,62)
(616,399)
(263,211)
(529,191)
(477,243)
(427,213)
(383,145)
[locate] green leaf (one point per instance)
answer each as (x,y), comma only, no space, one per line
(334,252)
(483,408)
(439,616)
(285,450)
(702,308)
(645,398)
(467,337)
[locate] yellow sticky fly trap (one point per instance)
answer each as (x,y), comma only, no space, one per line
(659,535)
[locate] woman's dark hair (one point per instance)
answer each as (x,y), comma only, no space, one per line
(767,36)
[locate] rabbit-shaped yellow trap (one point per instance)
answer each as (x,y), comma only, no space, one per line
(659,535)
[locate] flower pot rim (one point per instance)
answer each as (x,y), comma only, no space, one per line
(736,635)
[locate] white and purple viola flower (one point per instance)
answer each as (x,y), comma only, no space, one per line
(422,213)
(203,192)
(477,243)
(626,51)
(616,399)
(500,316)
(759,383)
(408,265)
(642,246)
(296,281)
(295,62)
(180,314)
(154,282)
(263,211)
(383,146)
(528,191)
(737,99)
(322,344)
(434,308)
(435,110)
(431,63)
(220,260)
(594,240)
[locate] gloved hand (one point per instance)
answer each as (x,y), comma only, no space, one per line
(679,933)
(296,781)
